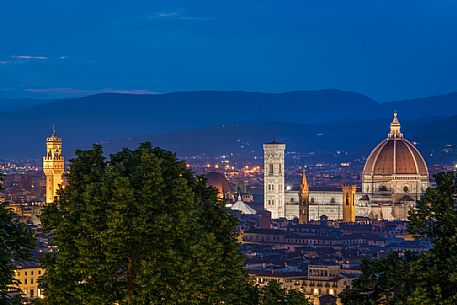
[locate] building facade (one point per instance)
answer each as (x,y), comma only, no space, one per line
(321,282)
(28,276)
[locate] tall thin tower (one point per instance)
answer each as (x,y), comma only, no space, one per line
(303,208)
(274,178)
(53,166)
(349,201)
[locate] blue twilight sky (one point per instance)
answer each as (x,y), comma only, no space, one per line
(387,49)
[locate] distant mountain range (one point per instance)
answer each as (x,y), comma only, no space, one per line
(317,142)
(214,121)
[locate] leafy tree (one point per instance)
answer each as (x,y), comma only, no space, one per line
(295,297)
(425,279)
(384,281)
(436,218)
(274,294)
(16,245)
(140,229)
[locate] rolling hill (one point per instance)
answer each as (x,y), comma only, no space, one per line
(106,117)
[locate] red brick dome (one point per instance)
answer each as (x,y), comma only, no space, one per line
(395,156)
(218,181)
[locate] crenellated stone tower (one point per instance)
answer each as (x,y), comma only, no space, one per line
(303,195)
(274,178)
(53,166)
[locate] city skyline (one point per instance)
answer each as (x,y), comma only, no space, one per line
(250,152)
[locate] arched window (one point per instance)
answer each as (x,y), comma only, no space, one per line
(405,189)
(332,200)
(291,199)
(312,200)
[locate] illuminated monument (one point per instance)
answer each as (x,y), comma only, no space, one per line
(303,197)
(394,177)
(274,178)
(53,166)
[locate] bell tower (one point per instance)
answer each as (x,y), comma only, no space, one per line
(349,203)
(303,208)
(274,178)
(53,166)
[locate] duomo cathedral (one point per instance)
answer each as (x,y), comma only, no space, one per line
(394,177)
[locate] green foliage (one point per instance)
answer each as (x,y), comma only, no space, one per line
(274,294)
(383,281)
(16,245)
(140,229)
(425,279)
(436,218)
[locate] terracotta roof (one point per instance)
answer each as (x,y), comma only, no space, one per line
(218,181)
(395,156)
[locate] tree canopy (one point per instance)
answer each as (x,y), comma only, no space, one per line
(16,245)
(140,228)
(419,279)
(274,294)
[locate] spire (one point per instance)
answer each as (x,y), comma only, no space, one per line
(304,188)
(395,128)
(303,197)
(53,135)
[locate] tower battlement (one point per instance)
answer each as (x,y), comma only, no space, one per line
(53,166)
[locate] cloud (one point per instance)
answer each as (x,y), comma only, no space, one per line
(76,91)
(177,16)
(4,62)
(28,57)
(162,14)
